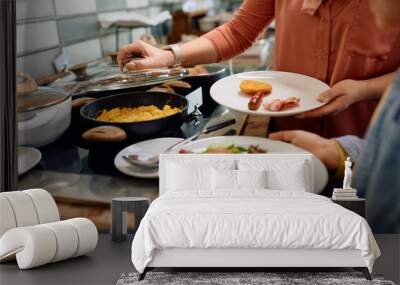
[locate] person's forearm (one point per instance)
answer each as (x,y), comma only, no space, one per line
(231,38)
(240,32)
(375,87)
(198,51)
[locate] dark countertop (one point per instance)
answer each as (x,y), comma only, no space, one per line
(68,177)
(102,266)
(89,188)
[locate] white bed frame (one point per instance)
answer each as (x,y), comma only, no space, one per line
(234,257)
(248,258)
(243,259)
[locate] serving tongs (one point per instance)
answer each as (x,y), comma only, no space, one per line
(154,160)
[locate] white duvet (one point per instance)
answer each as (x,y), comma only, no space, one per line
(250,219)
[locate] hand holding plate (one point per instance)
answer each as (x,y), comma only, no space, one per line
(339,97)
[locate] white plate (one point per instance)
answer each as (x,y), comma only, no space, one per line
(271,146)
(226,91)
(28,157)
(144,149)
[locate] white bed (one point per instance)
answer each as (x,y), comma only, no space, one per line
(247,227)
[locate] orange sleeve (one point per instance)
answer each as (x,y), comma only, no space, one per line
(240,32)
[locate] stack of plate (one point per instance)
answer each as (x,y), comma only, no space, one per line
(28,158)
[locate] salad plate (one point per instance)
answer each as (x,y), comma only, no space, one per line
(244,144)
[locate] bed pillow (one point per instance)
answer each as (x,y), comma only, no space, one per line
(182,177)
(282,174)
(223,179)
(231,180)
(293,180)
(194,174)
(251,179)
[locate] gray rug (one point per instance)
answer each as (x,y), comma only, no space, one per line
(243,278)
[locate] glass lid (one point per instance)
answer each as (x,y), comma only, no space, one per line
(106,75)
(130,79)
(40,98)
(81,76)
(31,97)
(206,70)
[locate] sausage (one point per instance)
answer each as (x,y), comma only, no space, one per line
(256,100)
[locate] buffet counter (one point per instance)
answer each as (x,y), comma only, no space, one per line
(80,191)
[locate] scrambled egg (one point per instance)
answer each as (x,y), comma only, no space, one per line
(139,114)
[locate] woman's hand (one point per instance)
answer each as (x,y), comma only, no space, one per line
(152,57)
(339,97)
(325,149)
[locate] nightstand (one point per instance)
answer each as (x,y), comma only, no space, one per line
(119,208)
(356,205)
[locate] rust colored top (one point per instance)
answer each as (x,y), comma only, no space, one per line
(338,41)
